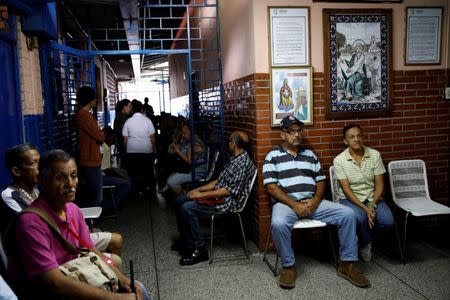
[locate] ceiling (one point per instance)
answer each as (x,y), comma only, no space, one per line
(122,24)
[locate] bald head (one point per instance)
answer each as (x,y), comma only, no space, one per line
(240,139)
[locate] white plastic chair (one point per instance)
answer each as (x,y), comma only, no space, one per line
(334,183)
(409,188)
(300,224)
(91,213)
(236,213)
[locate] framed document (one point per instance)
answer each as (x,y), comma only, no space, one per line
(289,36)
(423,35)
(358,62)
(291,94)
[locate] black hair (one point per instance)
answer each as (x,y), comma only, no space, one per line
(50,157)
(121,104)
(137,106)
(15,156)
(350,126)
(85,94)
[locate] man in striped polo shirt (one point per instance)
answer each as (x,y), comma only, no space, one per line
(294,179)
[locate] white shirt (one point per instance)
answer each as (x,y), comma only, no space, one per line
(138,129)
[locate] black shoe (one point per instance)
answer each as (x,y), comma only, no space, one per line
(196,256)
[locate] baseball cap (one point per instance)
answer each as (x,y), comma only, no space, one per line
(288,121)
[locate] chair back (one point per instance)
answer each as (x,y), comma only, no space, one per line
(334,183)
(212,167)
(408,180)
(252,182)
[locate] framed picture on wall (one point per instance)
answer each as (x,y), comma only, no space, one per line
(358,62)
(291,94)
(289,36)
(423,35)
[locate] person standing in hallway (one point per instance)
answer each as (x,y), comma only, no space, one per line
(90,138)
(140,140)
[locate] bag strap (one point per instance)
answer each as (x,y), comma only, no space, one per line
(53,227)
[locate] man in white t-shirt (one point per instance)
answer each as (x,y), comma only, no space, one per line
(140,140)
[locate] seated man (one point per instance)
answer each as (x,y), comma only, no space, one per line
(360,172)
(36,253)
(293,177)
(113,176)
(22,163)
(233,185)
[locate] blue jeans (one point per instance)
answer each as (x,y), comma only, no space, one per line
(91,189)
(176,180)
(144,290)
(189,226)
(120,192)
(384,219)
(283,218)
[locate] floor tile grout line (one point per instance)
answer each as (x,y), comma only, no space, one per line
(152,230)
(401,280)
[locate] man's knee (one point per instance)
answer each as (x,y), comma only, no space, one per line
(347,214)
(116,244)
(279,224)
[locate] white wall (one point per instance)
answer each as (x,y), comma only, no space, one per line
(237,38)
(261,32)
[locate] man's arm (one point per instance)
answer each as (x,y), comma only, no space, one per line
(276,192)
(197,193)
(59,284)
(318,196)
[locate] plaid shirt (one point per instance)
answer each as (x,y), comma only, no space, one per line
(236,179)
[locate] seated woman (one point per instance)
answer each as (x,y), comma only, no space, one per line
(183,151)
(360,172)
(35,253)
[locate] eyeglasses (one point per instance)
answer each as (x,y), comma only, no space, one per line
(294,132)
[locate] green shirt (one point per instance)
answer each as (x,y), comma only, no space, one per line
(361,178)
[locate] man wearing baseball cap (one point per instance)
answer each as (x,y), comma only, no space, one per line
(295,181)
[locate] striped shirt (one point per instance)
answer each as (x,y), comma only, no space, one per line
(297,176)
(236,179)
(361,178)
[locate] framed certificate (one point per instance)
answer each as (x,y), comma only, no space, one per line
(289,36)
(423,35)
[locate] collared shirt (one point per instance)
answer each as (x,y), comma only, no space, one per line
(361,178)
(236,179)
(38,249)
(296,175)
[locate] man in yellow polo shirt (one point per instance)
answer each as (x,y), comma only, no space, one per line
(360,172)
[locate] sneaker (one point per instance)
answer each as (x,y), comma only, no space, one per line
(365,252)
(349,271)
(287,278)
(161,200)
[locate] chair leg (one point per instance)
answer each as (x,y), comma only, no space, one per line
(114,203)
(398,243)
(266,260)
(333,252)
(212,240)
(404,236)
(243,235)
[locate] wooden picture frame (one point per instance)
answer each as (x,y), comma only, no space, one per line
(423,38)
(358,62)
(291,94)
(289,38)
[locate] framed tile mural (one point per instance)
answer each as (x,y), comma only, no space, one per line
(358,62)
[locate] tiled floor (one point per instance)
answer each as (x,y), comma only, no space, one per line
(148,230)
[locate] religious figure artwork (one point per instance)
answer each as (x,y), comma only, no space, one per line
(291,92)
(358,62)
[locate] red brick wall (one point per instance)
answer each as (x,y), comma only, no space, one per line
(419,127)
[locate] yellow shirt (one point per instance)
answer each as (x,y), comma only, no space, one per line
(361,178)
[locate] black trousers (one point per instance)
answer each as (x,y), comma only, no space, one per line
(140,170)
